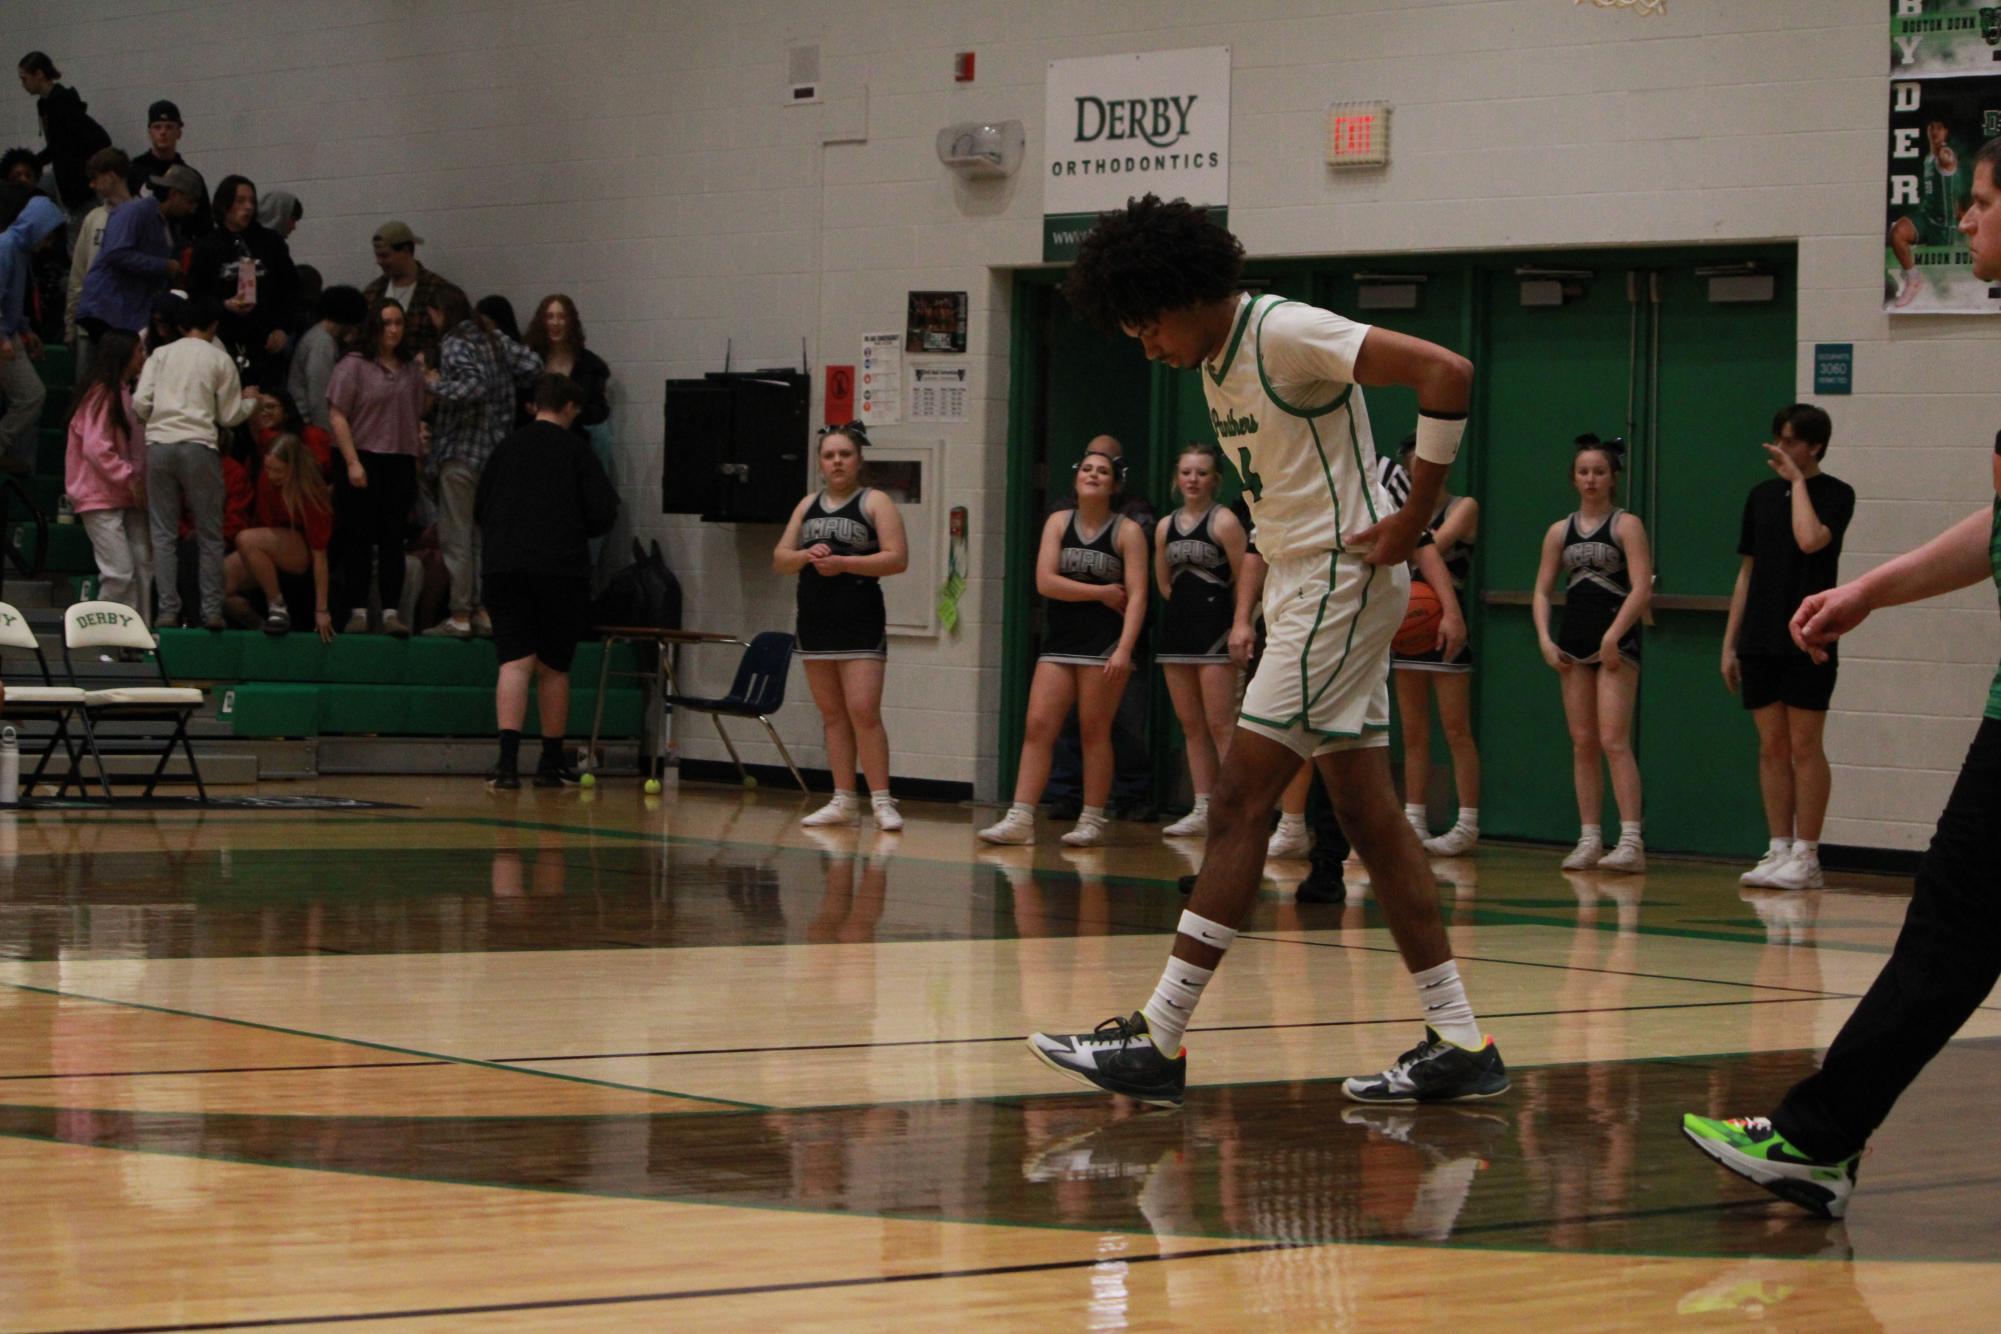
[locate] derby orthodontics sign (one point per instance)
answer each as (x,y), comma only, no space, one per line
(1119,126)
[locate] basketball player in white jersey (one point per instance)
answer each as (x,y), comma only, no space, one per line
(1283,383)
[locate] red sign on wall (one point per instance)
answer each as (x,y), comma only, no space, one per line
(840,409)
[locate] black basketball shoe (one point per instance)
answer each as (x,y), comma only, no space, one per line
(1119,1057)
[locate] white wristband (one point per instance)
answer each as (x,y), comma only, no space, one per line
(1438,438)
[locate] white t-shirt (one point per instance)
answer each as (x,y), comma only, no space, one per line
(401,295)
(187,392)
(1289,416)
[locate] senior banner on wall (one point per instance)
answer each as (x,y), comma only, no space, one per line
(1945,102)
(1119,126)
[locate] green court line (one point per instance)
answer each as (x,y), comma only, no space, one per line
(383,1046)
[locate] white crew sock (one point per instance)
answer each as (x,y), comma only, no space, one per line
(1806,851)
(1025,810)
(1201,804)
(1781,848)
(1446,1008)
(1173,1004)
(1629,831)
(1590,833)
(1417,813)
(1291,824)
(1091,815)
(1469,819)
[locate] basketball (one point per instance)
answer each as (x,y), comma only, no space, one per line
(1419,632)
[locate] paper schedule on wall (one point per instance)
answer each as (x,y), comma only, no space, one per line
(879,396)
(938,392)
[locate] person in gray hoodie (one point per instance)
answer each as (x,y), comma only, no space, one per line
(20,347)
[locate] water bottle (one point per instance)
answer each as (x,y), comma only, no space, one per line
(10,767)
(65,511)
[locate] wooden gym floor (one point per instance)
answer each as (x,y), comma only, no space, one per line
(588,1060)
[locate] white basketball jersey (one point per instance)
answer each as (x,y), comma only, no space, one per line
(1289,416)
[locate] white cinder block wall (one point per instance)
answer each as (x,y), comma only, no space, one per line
(640,157)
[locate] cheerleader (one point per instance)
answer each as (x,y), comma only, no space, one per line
(1608,580)
(1091,572)
(1198,552)
(841,542)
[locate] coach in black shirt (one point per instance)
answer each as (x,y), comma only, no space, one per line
(542,497)
(1791,545)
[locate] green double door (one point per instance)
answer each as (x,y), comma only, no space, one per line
(1632,344)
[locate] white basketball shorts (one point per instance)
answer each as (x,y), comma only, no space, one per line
(1323,683)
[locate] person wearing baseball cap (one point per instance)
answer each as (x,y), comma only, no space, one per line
(136,257)
(163,133)
(410,285)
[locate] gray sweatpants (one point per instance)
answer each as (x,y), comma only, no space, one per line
(25,393)
(186,472)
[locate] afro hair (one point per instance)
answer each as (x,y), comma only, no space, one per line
(1151,257)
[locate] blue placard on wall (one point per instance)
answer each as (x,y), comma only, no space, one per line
(1834,368)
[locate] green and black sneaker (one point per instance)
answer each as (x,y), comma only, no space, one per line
(1750,1147)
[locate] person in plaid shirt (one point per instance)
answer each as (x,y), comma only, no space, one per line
(409,284)
(479,380)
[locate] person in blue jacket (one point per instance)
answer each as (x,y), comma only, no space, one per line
(20,347)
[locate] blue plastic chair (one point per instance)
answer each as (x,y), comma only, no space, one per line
(758,692)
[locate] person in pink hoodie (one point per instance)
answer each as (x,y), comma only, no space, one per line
(105,471)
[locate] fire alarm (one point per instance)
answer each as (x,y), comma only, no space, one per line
(962,67)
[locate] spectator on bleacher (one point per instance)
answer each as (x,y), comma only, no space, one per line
(410,285)
(556,334)
(481,375)
(288,536)
(107,179)
(247,270)
(377,400)
(136,259)
(278,415)
(19,166)
(500,310)
(104,473)
(153,168)
(542,498)
(341,313)
(280,212)
(188,395)
(69,135)
(20,346)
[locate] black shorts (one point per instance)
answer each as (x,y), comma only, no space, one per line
(539,616)
(1791,679)
(842,621)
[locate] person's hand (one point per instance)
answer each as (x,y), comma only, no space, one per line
(1451,635)
(172,271)
(1390,540)
(431,376)
(1826,617)
(1243,640)
(1118,667)
(238,305)
(357,476)
(32,342)
(1781,463)
(1552,655)
(1733,671)
(830,565)
(274,343)
(1113,596)
(1608,654)
(6,350)
(323,622)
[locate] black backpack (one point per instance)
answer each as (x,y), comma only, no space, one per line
(644,593)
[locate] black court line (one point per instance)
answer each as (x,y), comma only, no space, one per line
(879,1046)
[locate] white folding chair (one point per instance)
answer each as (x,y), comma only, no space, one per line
(44,703)
(113,625)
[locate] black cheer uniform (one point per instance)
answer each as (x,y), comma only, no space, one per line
(1596,583)
(1458,560)
(1085,632)
(840,615)
(1201,604)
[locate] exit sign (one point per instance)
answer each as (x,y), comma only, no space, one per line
(1358,134)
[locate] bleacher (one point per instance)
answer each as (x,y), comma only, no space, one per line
(292,686)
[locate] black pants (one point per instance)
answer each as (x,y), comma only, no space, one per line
(1330,845)
(1946,961)
(370,521)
